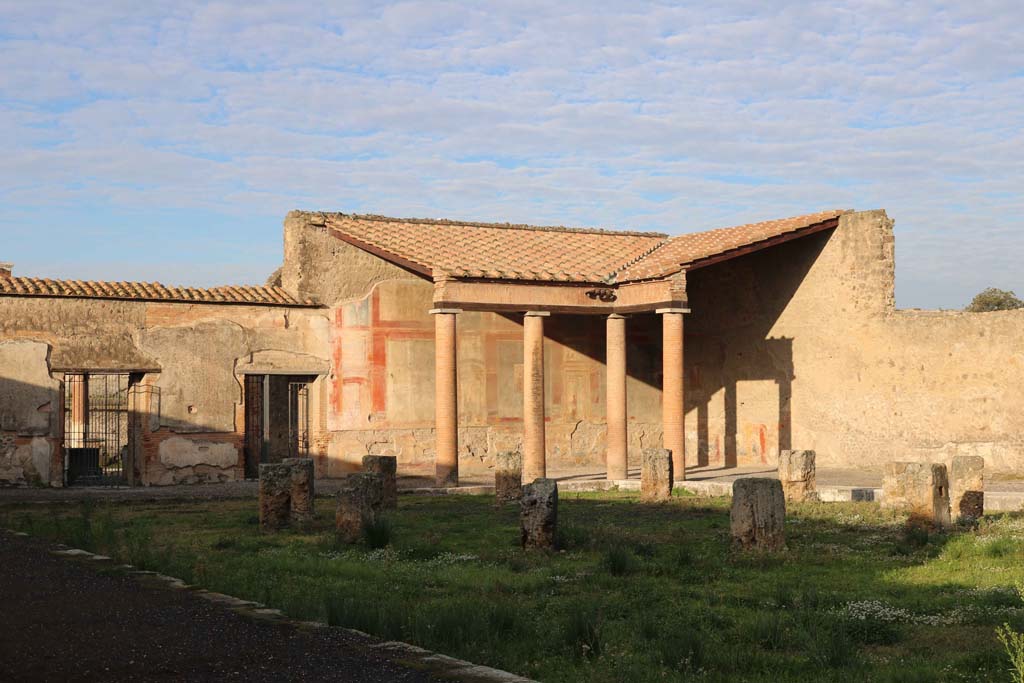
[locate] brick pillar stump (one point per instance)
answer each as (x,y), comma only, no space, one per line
(508,477)
(302,489)
(387,467)
(538,515)
(275,496)
(359,503)
(797,474)
(918,488)
(758,515)
(656,469)
(967,487)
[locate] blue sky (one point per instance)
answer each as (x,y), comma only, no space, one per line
(167,140)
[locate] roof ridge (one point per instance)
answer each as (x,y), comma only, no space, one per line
(614,275)
(482,224)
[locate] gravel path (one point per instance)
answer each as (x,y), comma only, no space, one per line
(63,620)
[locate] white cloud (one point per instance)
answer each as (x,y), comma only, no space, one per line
(662,117)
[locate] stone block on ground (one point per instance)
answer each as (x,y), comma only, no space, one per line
(758,516)
(920,489)
(967,487)
(387,467)
(656,474)
(359,503)
(538,515)
(275,496)
(508,477)
(303,490)
(797,474)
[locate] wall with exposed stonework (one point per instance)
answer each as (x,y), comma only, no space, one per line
(801,346)
(191,358)
(796,346)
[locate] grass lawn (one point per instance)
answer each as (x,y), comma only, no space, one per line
(639,593)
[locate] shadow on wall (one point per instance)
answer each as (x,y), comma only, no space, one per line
(739,379)
(30,432)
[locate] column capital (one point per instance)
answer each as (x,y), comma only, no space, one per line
(662,311)
(537,314)
(617,316)
(449,311)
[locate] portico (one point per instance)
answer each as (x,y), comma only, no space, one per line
(544,281)
(531,304)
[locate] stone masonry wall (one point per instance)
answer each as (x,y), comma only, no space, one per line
(190,357)
(800,346)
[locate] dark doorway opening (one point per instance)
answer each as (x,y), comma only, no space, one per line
(99,441)
(276,419)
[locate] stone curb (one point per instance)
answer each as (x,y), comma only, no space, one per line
(403,654)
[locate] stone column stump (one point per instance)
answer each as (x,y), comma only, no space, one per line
(918,488)
(302,489)
(359,503)
(758,516)
(508,477)
(387,467)
(656,471)
(967,487)
(275,496)
(538,515)
(797,474)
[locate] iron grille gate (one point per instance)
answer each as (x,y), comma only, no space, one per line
(298,420)
(97,432)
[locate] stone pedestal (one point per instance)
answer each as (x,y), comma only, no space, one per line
(538,516)
(275,496)
(359,503)
(797,474)
(656,468)
(758,515)
(508,477)
(921,489)
(387,467)
(967,487)
(302,489)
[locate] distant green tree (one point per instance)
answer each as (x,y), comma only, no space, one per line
(993,299)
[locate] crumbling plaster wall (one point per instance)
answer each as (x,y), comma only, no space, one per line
(801,346)
(191,355)
(29,437)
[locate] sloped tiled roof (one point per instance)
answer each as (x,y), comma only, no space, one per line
(147,291)
(494,250)
(679,252)
(549,254)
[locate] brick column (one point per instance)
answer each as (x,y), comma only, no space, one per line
(534,465)
(615,363)
(79,391)
(446,397)
(672,405)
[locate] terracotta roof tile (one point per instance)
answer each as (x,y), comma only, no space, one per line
(494,250)
(549,254)
(678,252)
(147,291)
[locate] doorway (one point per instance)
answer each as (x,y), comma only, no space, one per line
(276,419)
(98,434)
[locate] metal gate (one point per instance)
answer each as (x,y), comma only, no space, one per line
(254,430)
(298,419)
(97,432)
